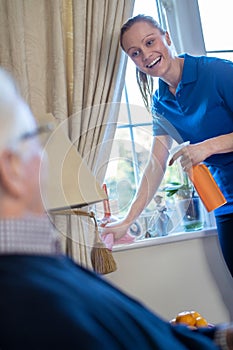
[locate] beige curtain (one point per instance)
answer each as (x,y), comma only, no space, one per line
(98,62)
(32,48)
(96,46)
(66,57)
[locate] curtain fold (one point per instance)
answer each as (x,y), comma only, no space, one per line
(66,57)
(96,46)
(97,65)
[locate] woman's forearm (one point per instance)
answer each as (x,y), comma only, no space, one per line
(219,144)
(148,186)
(151,178)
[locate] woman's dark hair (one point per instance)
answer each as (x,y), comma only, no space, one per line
(145,81)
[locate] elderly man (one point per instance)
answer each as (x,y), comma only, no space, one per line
(46,300)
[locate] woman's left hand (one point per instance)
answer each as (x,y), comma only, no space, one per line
(190,155)
(196,153)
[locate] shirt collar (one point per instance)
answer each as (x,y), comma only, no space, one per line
(29,235)
(189,75)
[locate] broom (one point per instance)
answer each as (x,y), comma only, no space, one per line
(101,257)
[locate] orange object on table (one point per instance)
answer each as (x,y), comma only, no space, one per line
(206,187)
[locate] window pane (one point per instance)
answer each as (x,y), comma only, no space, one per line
(134,114)
(120,178)
(216,18)
(133,92)
(132,142)
(146,7)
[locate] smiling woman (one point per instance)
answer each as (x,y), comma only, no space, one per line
(176,114)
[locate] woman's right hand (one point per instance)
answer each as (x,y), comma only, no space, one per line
(118,229)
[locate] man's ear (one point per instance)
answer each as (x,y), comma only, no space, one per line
(11,173)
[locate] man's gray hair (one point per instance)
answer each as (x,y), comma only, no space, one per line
(15,115)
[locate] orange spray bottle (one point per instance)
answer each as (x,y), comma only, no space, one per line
(204,183)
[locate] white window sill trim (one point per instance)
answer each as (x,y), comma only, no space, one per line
(175,237)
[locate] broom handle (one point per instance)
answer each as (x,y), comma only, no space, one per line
(90,214)
(73,211)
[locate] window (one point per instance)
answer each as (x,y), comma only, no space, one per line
(133,137)
(217,27)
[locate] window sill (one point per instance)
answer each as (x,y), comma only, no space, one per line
(175,237)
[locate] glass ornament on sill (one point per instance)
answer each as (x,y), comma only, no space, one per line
(160,223)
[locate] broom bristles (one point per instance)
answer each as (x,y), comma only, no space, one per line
(102,259)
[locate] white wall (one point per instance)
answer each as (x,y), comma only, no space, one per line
(171,276)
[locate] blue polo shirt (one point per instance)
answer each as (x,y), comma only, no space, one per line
(201,109)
